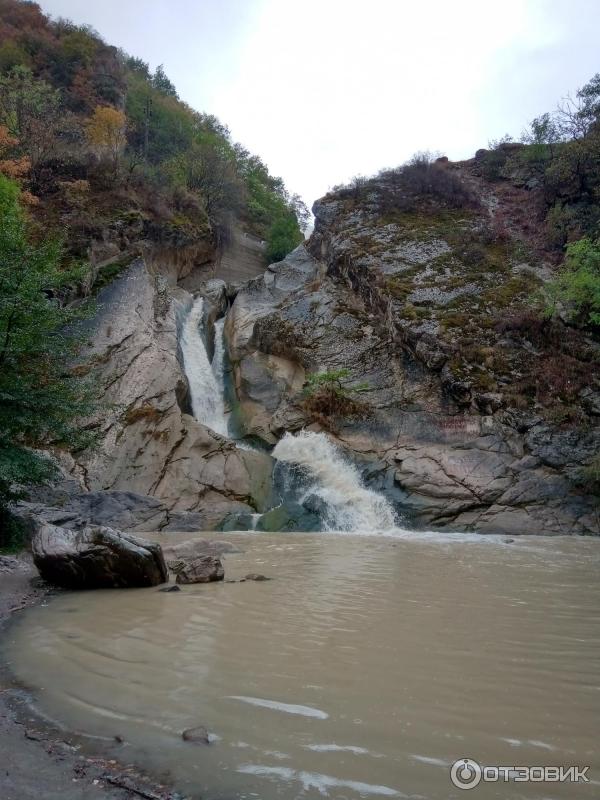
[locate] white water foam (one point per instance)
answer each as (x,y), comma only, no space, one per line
(349,506)
(313,780)
(205,390)
(287,708)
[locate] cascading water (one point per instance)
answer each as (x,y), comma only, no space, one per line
(347,504)
(204,378)
(218,362)
(324,479)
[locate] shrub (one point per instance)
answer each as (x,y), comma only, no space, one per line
(327,395)
(423,182)
(589,478)
(578,285)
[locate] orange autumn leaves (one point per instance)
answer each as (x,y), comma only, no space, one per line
(14,168)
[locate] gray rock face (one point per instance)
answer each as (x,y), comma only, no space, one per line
(446,452)
(205,569)
(96,558)
(155,467)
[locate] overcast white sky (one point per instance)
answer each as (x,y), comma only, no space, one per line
(326,89)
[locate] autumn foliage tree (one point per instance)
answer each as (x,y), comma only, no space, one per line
(105,131)
(30,111)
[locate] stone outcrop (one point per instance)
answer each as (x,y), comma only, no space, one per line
(96,558)
(415,305)
(154,467)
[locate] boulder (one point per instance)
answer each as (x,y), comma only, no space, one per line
(96,557)
(205,569)
(178,555)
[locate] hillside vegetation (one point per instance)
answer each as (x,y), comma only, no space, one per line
(98,141)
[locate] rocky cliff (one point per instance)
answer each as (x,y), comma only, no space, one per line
(154,466)
(469,412)
(477,419)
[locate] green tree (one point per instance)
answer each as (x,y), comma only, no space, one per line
(39,397)
(578,285)
(284,235)
(162,84)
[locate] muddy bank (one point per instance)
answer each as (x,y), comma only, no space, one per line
(40,760)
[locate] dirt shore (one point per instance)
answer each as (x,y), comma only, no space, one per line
(38,760)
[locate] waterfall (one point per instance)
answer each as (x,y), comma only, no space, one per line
(204,379)
(218,362)
(336,483)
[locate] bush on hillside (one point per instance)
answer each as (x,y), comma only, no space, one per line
(578,284)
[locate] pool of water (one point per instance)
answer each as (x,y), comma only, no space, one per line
(364,668)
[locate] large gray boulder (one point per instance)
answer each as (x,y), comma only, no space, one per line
(96,557)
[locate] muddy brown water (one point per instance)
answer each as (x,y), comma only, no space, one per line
(365,668)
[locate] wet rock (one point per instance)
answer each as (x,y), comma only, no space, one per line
(96,557)
(205,569)
(289,516)
(170,589)
(178,555)
(256,576)
(508,541)
(198,735)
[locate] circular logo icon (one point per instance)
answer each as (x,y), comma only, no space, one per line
(465,773)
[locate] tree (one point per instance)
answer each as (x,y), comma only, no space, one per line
(284,235)
(162,84)
(39,397)
(30,110)
(208,169)
(11,167)
(105,131)
(577,116)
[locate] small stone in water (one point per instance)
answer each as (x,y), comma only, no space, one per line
(174,588)
(197,735)
(255,576)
